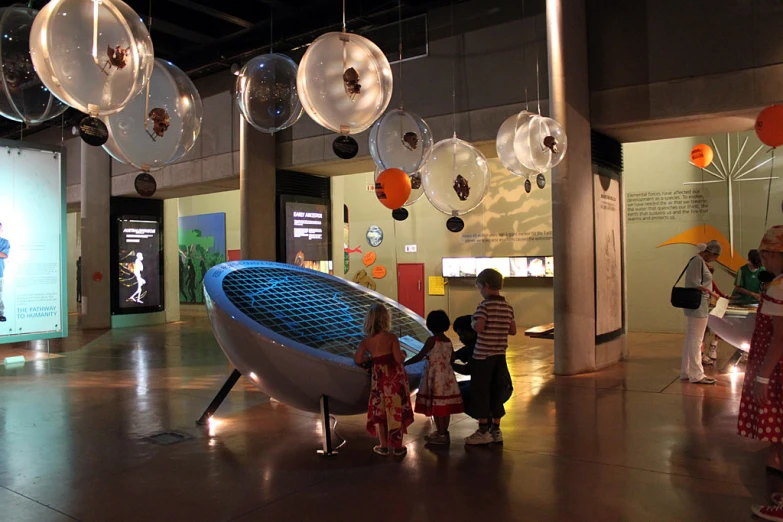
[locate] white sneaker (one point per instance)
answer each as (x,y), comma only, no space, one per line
(497,435)
(705,380)
(713,353)
(706,361)
(479,438)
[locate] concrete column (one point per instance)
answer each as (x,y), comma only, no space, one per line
(258,212)
(572,190)
(95,223)
(171,258)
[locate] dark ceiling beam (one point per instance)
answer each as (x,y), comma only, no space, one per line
(214,13)
(179,32)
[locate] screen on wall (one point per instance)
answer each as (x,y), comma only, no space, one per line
(537,266)
(308,233)
(31,245)
(140,245)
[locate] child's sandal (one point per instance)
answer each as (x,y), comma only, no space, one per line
(401,452)
(383,452)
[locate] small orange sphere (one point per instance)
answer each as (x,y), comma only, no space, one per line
(701,155)
(392,188)
(769,126)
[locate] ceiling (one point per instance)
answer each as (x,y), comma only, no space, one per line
(204,37)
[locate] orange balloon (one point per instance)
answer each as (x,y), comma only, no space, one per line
(769,126)
(392,188)
(369,258)
(379,272)
(701,155)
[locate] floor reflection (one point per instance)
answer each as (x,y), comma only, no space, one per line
(629,443)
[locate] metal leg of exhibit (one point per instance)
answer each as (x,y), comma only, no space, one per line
(219,398)
(732,362)
(328,450)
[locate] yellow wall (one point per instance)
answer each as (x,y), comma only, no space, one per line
(663,166)
(506,210)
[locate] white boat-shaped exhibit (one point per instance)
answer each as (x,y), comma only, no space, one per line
(293,332)
(736,326)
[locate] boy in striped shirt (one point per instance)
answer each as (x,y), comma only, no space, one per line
(494,322)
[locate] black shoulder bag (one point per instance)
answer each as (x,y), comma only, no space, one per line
(688,298)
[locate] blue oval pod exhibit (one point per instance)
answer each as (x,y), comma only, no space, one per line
(293,332)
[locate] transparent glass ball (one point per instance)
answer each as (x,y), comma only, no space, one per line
(504,144)
(541,144)
(151,136)
(455,177)
(417,188)
(400,139)
(98,76)
(344,82)
(266,93)
(23,97)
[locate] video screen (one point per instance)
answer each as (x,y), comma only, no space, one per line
(501,264)
(512,267)
(459,267)
(139,258)
(308,233)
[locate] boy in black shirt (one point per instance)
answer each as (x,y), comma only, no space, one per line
(467,336)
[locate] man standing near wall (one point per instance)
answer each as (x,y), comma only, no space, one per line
(5,247)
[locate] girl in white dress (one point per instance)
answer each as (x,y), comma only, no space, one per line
(439,396)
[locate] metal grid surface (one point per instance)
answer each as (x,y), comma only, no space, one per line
(308,308)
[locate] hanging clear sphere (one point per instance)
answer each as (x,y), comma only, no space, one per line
(400,140)
(94,56)
(417,189)
(504,144)
(344,82)
(541,144)
(151,135)
(455,177)
(266,93)
(23,97)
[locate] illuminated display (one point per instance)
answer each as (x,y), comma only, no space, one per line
(307,233)
(511,267)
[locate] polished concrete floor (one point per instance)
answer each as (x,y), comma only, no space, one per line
(631,443)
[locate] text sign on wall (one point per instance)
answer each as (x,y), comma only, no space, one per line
(667,205)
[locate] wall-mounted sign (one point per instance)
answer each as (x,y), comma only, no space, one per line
(379,272)
(410,248)
(369,258)
(374,236)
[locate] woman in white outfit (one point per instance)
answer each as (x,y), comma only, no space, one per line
(698,275)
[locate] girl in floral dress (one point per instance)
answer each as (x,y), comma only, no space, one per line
(439,396)
(389,411)
(761,406)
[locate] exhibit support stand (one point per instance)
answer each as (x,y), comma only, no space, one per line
(219,398)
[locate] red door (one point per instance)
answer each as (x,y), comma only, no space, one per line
(410,286)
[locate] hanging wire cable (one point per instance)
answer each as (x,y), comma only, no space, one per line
(538,83)
(343,15)
(453,73)
(402,97)
(149,81)
(272,30)
(769,187)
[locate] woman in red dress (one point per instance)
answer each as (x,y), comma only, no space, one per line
(761,407)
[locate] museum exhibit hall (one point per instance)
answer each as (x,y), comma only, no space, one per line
(391,260)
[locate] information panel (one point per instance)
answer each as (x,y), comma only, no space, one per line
(608,255)
(513,267)
(31,245)
(139,266)
(308,233)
